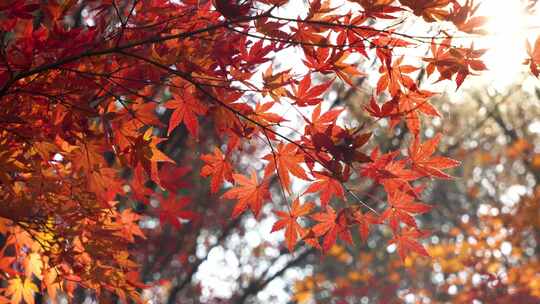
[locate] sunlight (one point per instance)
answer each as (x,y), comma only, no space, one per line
(508,28)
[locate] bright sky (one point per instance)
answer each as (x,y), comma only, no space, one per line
(509,27)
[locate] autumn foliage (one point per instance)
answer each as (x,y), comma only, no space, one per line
(92,92)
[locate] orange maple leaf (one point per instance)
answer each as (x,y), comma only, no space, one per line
(327,186)
(402,205)
(430,10)
(286,159)
(306,94)
(249,193)
(406,242)
(331,226)
(394,77)
(129,228)
(534,57)
(186,109)
(218,168)
(364,221)
(424,163)
(288,221)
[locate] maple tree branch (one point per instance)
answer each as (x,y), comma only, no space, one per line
(256,286)
(422,39)
(116,49)
(304,43)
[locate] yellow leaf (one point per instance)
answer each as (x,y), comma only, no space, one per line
(18,289)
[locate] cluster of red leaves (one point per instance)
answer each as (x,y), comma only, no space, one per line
(327,156)
(81,86)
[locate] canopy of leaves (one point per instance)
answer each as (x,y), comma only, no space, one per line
(116,112)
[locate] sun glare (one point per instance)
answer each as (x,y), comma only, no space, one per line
(509,26)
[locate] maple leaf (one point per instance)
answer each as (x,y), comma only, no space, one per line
(406,243)
(394,77)
(138,185)
(321,60)
(430,10)
(331,226)
(262,116)
(286,159)
(380,112)
(389,171)
(402,205)
(534,57)
(463,18)
(306,94)
(320,122)
(364,221)
(51,282)
(186,109)
(172,177)
(249,193)
(19,289)
(409,105)
(6,263)
(232,9)
(256,54)
(345,70)
(171,211)
(423,162)
(379,8)
(218,168)
(450,61)
(288,220)
(129,225)
(33,265)
(274,84)
(149,154)
(347,148)
(310,238)
(327,186)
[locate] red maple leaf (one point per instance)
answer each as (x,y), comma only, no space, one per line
(430,10)
(389,171)
(409,105)
(309,237)
(286,159)
(218,168)
(171,210)
(172,177)
(402,205)
(308,95)
(364,221)
(129,225)
(321,122)
(406,242)
(394,78)
(534,57)
(249,193)
(138,185)
(327,186)
(331,226)
(380,112)
(423,162)
(263,116)
(288,221)
(186,109)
